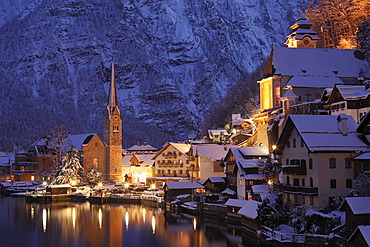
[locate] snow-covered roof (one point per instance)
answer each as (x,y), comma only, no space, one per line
(182,147)
(145,159)
(319,62)
(60,186)
(250,209)
(211,151)
(313,81)
(365,232)
(254,176)
(364,156)
(236,203)
(321,133)
(261,188)
(240,121)
(228,191)
(351,92)
(142,148)
(254,151)
(289,94)
(126,160)
(6,160)
(216,179)
(184,185)
(359,205)
(252,163)
(78,140)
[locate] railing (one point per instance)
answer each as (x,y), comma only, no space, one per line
(294,170)
(293,237)
(297,189)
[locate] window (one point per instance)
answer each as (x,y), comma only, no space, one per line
(302,143)
(180,171)
(168,171)
(287,162)
(288,180)
(303,162)
(333,183)
(311,200)
(347,163)
(332,163)
(310,163)
(295,181)
(295,162)
(294,143)
(311,182)
(295,198)
(303,182)
(348,183)
(288,144)
(288,197)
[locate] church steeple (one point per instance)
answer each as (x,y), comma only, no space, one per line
(113,133)
(302,36)
(112,97)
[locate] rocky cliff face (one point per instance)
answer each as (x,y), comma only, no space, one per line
(174,59)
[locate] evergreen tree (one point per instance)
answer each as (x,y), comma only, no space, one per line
(272,168)
(70,170)
(94,177)
(361,185)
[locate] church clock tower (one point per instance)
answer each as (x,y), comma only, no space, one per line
(113,134)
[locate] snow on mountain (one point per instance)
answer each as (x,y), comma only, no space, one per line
(174,59)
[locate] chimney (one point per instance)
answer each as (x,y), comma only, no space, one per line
(342,124)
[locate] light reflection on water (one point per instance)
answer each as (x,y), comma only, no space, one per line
(83,224)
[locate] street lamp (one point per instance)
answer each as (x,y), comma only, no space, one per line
(153,188)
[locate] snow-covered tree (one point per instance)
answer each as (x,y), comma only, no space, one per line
(361,185)
(70,170)
(272,168)
(94,177)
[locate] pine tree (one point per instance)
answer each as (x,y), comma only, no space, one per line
(70,170)
(94,177)
(272,168)
(361,185)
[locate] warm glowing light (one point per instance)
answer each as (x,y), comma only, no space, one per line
(194,224)
(273,147)
(126,220)
(153,224)
(32,212)
(44,218)
(100,184)
(126,186)
(144,214)
(74,217)
(270,182)
(32,178)
(73,183)
(44,183)
(153,186)
(100,216)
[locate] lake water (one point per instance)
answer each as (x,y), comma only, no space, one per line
(83,224)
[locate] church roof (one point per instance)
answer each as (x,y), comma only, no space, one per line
(319,62)
(78,140)
(289,94)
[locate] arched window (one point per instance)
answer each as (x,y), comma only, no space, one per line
(294,142)
(311,182)
(95,162)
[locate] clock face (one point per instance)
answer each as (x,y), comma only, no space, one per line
(306,41)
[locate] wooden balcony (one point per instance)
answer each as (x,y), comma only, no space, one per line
(303,190)
(294,170)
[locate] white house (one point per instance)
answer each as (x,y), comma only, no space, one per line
(316,152)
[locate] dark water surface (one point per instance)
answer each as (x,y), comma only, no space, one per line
(84,224)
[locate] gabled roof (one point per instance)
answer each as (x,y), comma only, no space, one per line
(251,163)
(313,81)
(358,205)
(216,179)
(348,92)
(250,209)
(211,151)
(181,147)
(322,133)
(184,185)
(289,94)
(254,151)
(364,231)
(145,159)
(78,140)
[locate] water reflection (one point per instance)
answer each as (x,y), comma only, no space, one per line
(81,224)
